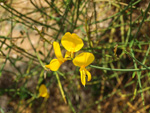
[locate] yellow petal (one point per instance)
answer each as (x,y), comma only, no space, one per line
(43,91)
(58,51)
(54,65)
(83,80)
(88,74)
(72,42)
(47,96)
(83,59)
(77,41)
(68,54)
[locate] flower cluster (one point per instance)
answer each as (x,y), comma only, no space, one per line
(72,43)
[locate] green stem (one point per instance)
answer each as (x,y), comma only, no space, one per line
(110,69)
(60,87)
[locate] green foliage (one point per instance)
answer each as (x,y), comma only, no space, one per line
(116,32)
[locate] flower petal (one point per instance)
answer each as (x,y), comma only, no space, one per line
(68,54)
(83,59)
(58,51)
(78,42)
(43,91)
(88,74)
(54,65)
(83,80)
(72,42)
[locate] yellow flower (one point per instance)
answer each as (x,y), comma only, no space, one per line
(72,43)
(43,92)
(56,63)
(83,60)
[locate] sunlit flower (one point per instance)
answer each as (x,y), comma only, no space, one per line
(83,60)
(56,63)
(43,92)
(72,43)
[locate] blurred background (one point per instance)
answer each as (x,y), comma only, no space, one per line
(117,32)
